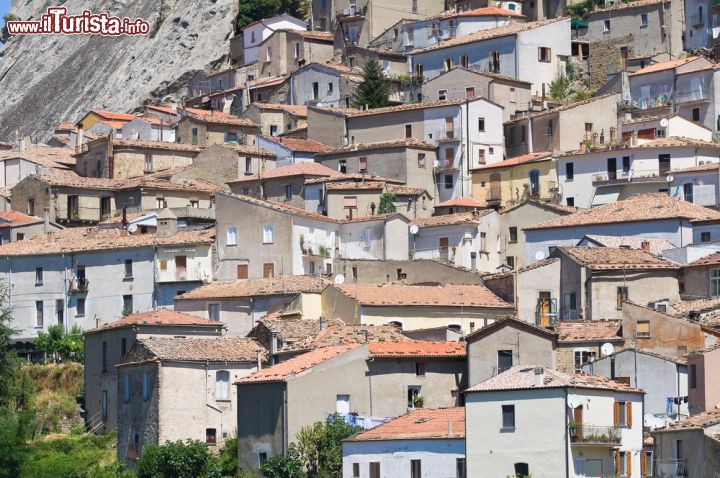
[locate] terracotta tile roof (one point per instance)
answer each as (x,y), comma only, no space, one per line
(49,157)
(113,116)
(257,287)
(626,5)
(158,317)
(462,202)
(699,421)
(313,35)
(164,109)
(148,182)
(341,334)
(302,145)
(352,176)
(704,304)
(523,159)
(80,239)
(522,377)
(416,349)
(354,113)
(470,217)
(248,150)
(134,143)
(697,169)
(296,365)
(399,143)
(296,110)
(664,65)
(611,258)
(638,208)
(303,168)
(478,12)
(656,245)
(65,126)
(287,134)
(538,264)
(647,119)
(217,118)
(266,81)
(507,30)
(400,190)
(711,260)
(293,333)
(433,295)
(352,185)
(10,219)
(195,349)
(513,322)
(420,424)
(560,208)
(677,142)
(588,330)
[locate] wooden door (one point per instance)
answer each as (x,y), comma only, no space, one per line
(544,309)
(268,270)
(242,271)
(578,421)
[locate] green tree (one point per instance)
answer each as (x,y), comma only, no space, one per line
(4,34)
(60,345)
(228,458)
(188,459)
(387,203)
(250,11)
(560,88)
(289,466)
(319,446)
(373,91)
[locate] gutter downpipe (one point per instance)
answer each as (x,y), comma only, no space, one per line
(467,148)
(207,403)
(284,421)
(567,444)
(370,360)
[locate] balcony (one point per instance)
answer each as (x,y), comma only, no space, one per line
(79,285)
(650,103)
(671,468)
(699,95)
(447,135)
(445,165)
(594,435)
(366,423)
(622,178)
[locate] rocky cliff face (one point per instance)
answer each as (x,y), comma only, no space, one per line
(48,79)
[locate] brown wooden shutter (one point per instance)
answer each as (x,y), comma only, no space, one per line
(643,464)
(616,414)
(617,463)
(628,414)
(628,463)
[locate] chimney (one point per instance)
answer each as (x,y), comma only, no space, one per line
(22,145)
(450,430)
(539,376)
(79,135)
(365,334)
(323,324)
(97,322)
(645,246)
(613,134)
(46,222)
(124,218)
(273,343)
(259,360)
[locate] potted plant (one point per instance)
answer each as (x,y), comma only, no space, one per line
(418,401)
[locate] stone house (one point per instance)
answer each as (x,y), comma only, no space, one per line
(514,180)
(116,158)
(467,239)
(508,342)
(16,226)
(703,384)
(274,119)
(342,199)
(595,281)
(204,128)
(513,95)
(627,36)
(410,161)
(272,89)
(664,380)
(563,128)
(291,150)
(278,239)
(221,163)
(372,381)
(285,51)
(701,278)
(688,448)
(149,376)
(283,185)
(241,303)
(459,306)
(534,51)
(644,129)
(149,129)
(580,341)
(167,113)
(428,441)
(412,271)
(90,276)
(544,423)
(94,117)
(257,32)
(19,163)
(105,347)
(325,84)
(673,220)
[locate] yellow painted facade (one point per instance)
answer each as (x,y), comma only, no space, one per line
(512,183)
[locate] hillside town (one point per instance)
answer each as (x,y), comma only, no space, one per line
(484,236)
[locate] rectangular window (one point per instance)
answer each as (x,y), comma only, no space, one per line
(465,62)
(60,311)
(582,357)
(296,49)
(481,156)
(570,201)
(80,308)
(356,470)
(415,469)
(688,192)
(504,360)
(374,469)
(148,163)
(105,207)
(267,234)
(342,166)
(38,276)
(664,164)
(448,181)
(194,136)
(508,416)
(123,347)
(211,436)
(231,236)
(704,237)
(460,468)
(606,26)
(31,207)
(495,62)
(39,318)
(642,329)
(126,388)
(145,386)
(469,91)
(626,165)
(442,95)
(544,54)
(421,160)
(268,270)
(623,414)
(316,90)
(104,404)
(420,369)
(408,131)
(414,6)
(222,385)
(128,268)
(363,164)
(692,376)
(104,357)
(127,305)
(696,114)
(569,171)
(412,396)
(643,20)
(214,312)
(622,295)
(481,124)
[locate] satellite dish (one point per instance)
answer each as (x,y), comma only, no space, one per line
(670,178)
(539,255)
(573,400)
(664,122)
(132,228)
(414,229)
(339,279)
(607,349)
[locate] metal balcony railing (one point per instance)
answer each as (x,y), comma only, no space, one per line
(594,435)
(671,468)
(697,95)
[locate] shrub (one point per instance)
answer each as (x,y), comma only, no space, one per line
(188,459)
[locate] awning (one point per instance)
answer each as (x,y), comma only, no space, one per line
(605,195)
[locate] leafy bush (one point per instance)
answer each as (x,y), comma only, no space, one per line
(188,459)
(387,203)
(60,345)
(228,459)
(289,466)
(319,446)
